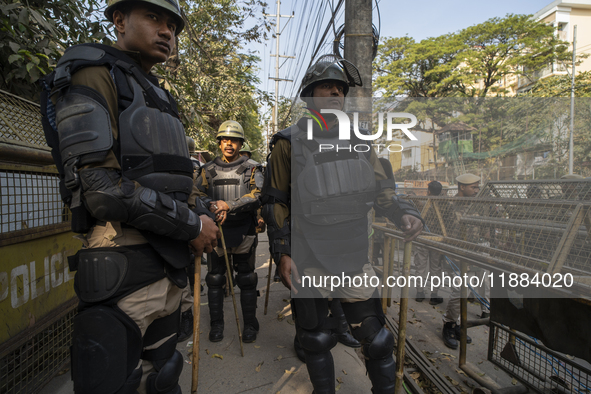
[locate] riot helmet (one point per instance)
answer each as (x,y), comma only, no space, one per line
(171,6)
(190,144)
(230,128)
(333,68)
(245,148)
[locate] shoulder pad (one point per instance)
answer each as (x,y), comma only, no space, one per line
(81,52)
(252,163)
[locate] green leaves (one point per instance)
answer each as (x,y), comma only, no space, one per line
(469,63)
(34,34)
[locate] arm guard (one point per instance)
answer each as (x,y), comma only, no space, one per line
(246,203)
(399,208)
(109,197)
(279,238)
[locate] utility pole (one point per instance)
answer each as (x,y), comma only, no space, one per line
(358,50)
(278,17)
(572,105)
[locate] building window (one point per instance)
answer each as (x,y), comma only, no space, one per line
(407,154)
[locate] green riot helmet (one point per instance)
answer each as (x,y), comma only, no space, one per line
(230,128)
(190,144)
(330,67)
(171,6)
(245,148)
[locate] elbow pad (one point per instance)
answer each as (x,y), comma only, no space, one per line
(279,238)
(244,204)
(143,208)
(399,208)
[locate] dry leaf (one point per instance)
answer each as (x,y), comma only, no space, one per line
(415,375)
(289,372)
(345,372)
(290,321)
(285,300)
(257,347)
(481,374)
(339,380)
(338,387)
(258,368)
(279,358)
(514,382)
(280,316)
(207,351)
(217,356)
(281,347)
(449,355)
(410,337)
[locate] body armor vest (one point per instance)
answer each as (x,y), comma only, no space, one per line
(333,192)
(230,181)
(153,148)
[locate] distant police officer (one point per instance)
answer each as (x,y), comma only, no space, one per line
(468,186)
(425,259)
(245,150)
(324,86)
(230,186)
(120,148)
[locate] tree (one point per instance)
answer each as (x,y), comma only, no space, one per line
(34,35)
(560,86)
(423,69)
(212,77)
(513,45)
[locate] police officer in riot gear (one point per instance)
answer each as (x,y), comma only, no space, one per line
(126,175)
(230,186)
(324,86)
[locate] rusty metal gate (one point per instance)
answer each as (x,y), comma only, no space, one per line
(37,300)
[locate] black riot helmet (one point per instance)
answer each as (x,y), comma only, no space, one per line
(330,68)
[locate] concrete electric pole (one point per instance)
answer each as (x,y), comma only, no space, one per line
(358,50)
(278,17)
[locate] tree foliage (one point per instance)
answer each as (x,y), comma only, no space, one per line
(470,62)
(34,34)
(212,76)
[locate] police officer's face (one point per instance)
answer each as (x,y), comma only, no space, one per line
(470,190)
(329,95)
(147,29)
(230,147)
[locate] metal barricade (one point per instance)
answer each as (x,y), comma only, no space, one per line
(510,235)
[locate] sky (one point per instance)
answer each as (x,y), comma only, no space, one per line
(418,19)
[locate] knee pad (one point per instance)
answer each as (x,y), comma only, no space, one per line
(247,281)
(106,350)
(381,346)
(317,341)
(369,328)
(166,378)
(215,280)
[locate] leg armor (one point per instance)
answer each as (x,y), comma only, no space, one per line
(314,334)
(247,281)
(106,350)
(167,361)
(377,342)
(216,279)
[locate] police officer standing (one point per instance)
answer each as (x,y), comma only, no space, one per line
(468,186)
(230,186)
(126,174)
(324,86)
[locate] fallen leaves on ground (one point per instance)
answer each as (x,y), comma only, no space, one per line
(215,355)
(258,368)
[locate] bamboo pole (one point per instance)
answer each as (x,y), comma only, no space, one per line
(196,320)
(402,320)
(229,275)
(268,284)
